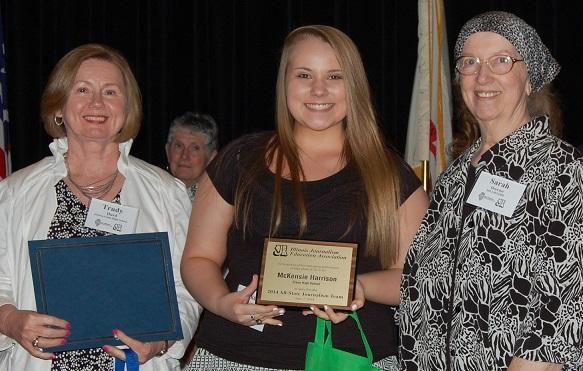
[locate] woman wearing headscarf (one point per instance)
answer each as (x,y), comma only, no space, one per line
(494,277)
(91,105)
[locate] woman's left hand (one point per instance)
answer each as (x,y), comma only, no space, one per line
(328,313)
(145,351)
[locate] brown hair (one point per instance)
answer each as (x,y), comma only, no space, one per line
(62,78)
(543,102)
(364,142)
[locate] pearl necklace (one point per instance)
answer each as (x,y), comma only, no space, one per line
(96,189)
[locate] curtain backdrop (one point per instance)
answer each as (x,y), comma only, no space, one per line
(220,56)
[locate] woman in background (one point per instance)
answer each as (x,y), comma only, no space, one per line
(192,143)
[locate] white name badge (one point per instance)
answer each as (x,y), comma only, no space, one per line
(496,194)
(113,218)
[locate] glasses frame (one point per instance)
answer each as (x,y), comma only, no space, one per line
(480,62)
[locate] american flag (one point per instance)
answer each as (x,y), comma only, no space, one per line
(5,163)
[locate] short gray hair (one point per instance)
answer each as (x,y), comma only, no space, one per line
(196,122)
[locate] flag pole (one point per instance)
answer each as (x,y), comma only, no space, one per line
(426,176)
(429,125)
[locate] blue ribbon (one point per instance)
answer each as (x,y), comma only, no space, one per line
(131,361)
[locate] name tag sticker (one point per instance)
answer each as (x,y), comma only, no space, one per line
(496,194)
(110,217)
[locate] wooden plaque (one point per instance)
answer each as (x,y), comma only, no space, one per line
(301,273)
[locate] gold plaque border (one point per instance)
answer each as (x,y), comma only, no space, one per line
(316,243)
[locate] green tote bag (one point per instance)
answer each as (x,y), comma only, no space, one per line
(322,356)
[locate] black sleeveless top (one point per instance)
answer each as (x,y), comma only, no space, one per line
(332,204)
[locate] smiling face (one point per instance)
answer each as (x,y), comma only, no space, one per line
(315,92)
(188,155)
(95,109)
(497,99)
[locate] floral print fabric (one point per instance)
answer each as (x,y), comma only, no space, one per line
(69,222)
(479,288)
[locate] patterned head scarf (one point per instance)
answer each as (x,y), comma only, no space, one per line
(540,64)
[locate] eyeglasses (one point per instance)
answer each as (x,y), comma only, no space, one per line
(498,64)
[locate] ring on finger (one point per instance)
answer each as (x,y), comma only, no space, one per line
(35,342)
(252,317)
(258,321)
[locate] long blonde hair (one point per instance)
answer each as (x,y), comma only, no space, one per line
(364,149)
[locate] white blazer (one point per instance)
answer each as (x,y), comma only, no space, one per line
(27,205)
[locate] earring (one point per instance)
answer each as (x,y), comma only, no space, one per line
(58,120)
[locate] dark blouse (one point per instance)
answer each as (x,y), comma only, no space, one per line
(332,203)
(480,288)
(69,222)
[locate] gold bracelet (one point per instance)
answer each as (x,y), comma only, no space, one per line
(163,350)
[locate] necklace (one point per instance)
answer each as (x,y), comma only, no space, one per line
(326,169)
(96,189)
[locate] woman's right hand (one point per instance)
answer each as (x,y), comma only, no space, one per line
(235,307)
(34,331)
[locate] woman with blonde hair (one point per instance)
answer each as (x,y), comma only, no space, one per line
(325,174)
(92,108)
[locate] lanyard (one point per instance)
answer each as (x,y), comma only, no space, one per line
(131,361)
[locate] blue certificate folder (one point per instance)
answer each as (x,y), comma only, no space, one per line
(103,283)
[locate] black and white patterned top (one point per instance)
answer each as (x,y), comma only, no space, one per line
(479,288)
(192,191)
(68,222)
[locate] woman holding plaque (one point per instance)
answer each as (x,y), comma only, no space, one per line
(325,174)
(92,107)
